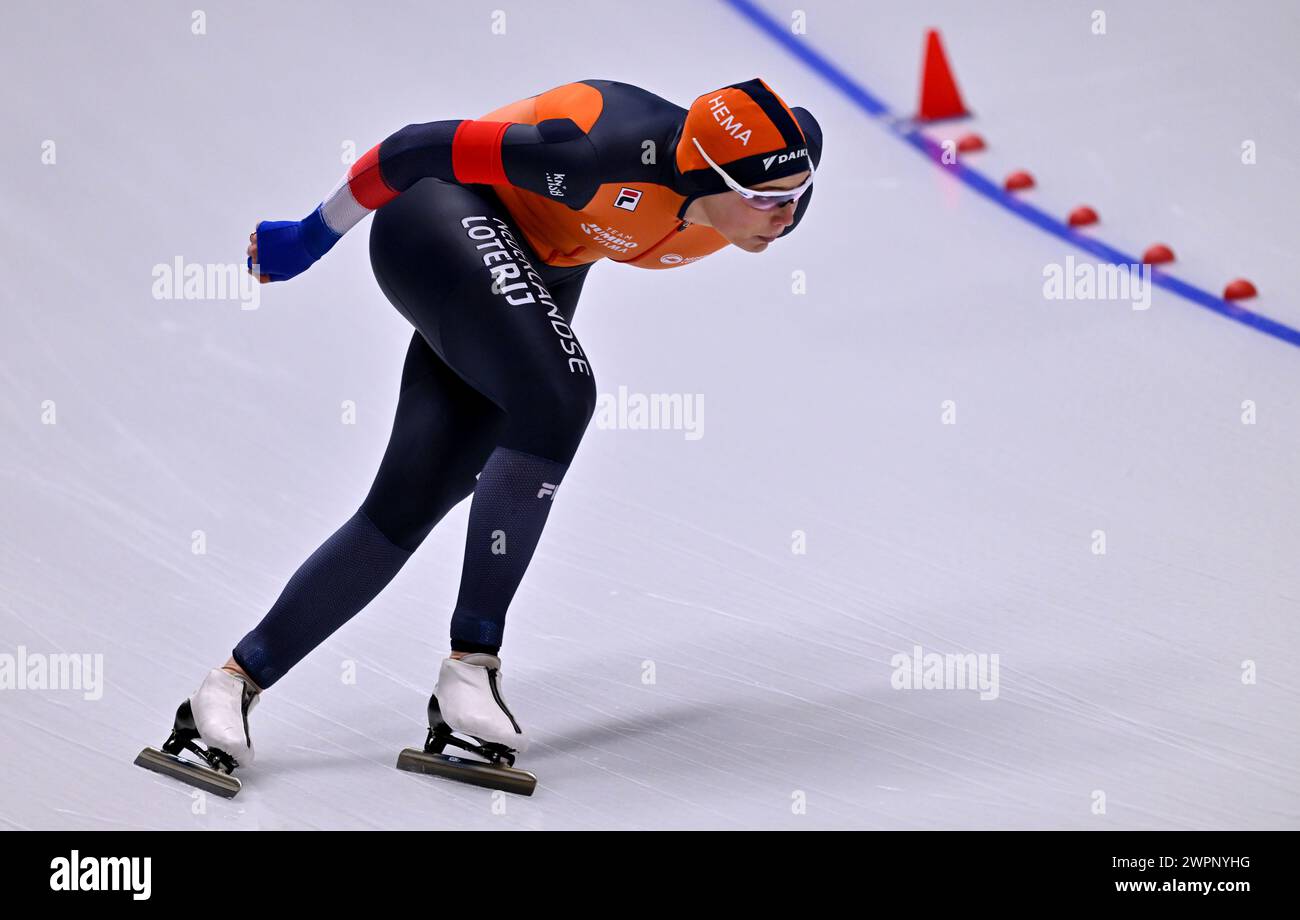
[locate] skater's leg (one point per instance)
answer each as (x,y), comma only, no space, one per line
(527,359)
(233,667)
(441,435)
(486,304)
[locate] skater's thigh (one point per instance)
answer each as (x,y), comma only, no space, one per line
(510,333)
(453,262)
(443,431)
(422,257)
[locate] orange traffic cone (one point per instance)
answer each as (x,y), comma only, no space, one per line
(939,95)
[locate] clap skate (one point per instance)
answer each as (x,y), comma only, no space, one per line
(467,701)
(212,726)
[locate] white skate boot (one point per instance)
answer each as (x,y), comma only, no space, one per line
(212,724)
(468,699)
(221,706)
(469,695)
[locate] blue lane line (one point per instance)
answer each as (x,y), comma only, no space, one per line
(908,132)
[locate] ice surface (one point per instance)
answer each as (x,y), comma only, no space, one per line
(771,703)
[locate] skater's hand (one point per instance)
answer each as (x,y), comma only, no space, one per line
(252,257)
(285,248)
(279,249)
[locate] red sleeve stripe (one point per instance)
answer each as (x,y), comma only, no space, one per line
(476,152)
(367,183)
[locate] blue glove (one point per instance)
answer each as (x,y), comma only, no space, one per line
(286,248)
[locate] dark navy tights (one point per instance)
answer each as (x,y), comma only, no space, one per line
(495,386)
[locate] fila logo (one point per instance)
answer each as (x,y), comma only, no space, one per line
(547,491)
(783,158)
(627,199)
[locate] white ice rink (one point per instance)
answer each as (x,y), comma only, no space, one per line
(1161,678)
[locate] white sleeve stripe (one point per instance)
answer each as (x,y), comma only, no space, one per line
(341,211)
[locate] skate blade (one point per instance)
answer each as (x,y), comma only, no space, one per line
(205,778)
(465,770)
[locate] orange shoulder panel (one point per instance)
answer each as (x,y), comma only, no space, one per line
(577,101)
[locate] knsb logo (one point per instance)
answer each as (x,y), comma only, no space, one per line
(783,158)
(103,873)
(627,199)
(555,184)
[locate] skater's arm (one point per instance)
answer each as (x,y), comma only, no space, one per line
(469,152)
(554,158)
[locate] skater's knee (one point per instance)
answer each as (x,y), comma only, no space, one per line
(551,420)
(406,515)
(570,419)
(400,526)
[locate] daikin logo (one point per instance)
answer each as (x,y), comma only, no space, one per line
(783,157)
(103,873)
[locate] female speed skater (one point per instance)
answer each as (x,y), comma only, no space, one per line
(484,232)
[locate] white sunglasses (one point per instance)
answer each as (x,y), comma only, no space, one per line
(755,198)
